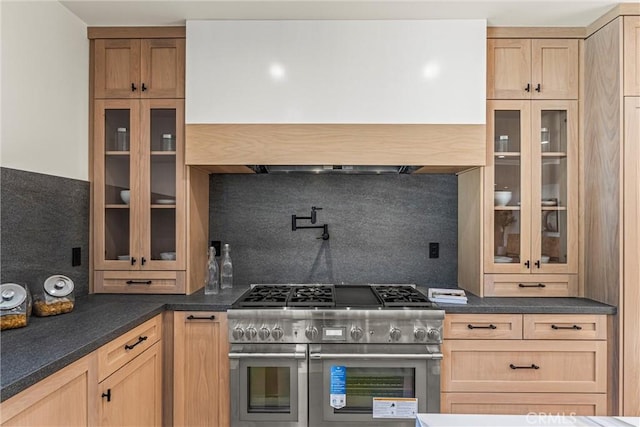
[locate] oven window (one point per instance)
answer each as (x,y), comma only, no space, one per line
(268,389)
(363,384)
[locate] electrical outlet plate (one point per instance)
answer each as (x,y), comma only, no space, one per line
(434,250)
(76,257)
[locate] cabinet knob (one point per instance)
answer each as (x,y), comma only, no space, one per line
(538,87)
(133,261)
(133,87)
(107,395)
(527,264)
(143,260)
(144,88)
(538,263)
(528,87)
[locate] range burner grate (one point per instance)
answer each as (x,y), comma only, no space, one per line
(312,296)
(401,296)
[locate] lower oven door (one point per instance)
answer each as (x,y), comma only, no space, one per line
(268,385)
(372,371)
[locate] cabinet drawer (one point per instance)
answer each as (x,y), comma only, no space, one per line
(140,282)
(126,347)
(565,327)
(530,285)
(483,326)
(524,366)
(584,404)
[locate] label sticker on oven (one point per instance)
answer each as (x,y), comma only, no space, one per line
(395,408)
(338,390)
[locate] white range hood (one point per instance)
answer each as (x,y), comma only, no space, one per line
(327,71)
(323,92)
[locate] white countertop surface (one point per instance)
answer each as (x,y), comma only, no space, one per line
(476,420)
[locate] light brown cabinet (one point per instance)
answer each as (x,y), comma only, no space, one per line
(542,357)
(531,197)
(66,398)
(200,369)
(139,191)
(130,377)
(532,69)
(139,68)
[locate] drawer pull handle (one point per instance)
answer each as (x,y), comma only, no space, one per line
(532,366)
(537,285)
(490,326)
(576,327)
(107,395)
(130,347)
(139,282)
(192,317)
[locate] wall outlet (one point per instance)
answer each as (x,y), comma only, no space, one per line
(76,257)
(434,250)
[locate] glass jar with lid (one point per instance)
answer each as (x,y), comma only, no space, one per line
(15,306)
(56,297)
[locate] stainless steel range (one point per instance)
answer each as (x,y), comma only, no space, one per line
(334,355)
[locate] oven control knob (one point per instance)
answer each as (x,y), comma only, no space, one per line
(251,333)
(433,335)
(263,333)
(237,333)
(395,334)
(277,333)
(420,334)
(356,334)
(311,333)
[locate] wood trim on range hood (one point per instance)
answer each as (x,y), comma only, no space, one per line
(443,146)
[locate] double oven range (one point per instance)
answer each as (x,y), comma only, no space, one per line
(333,355)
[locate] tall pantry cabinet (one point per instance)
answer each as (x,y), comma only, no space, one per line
(139,192)
(612,192)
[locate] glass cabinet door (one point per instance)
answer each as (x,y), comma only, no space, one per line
(508,187)
(554,179)
(115,206)
(162,161)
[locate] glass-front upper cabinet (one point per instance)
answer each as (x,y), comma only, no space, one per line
(531,187)
(137,194)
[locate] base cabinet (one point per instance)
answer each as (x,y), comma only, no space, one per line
(132,396)
(62,399)
(519,364)
(200,369)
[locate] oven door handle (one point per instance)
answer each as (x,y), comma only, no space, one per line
(267,355)
(427,356)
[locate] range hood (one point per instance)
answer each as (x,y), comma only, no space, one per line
(344,93)
(334,169)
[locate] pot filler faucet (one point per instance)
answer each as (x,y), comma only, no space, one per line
(313,219)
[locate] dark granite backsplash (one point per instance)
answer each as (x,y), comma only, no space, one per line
(380,227)
(42,218)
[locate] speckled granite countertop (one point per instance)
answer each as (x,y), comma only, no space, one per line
(27,355)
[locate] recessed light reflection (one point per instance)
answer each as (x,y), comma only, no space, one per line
(277,71)
(431,70)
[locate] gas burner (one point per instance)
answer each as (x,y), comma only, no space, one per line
(312,296)
(400,296)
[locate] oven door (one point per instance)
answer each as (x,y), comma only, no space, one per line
(372,371)
(268,384)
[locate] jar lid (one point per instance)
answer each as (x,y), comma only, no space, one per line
(122,129)
(58,285)
(167,135)
(544,130)
(12,295)
(504,136)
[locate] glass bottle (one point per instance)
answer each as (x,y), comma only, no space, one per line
(503,143)
(226,274)
(212,283)
(122,140)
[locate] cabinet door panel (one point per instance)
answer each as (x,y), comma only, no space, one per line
(117,68)
(526,366)
(116,214)
(554,69)
(524,403)
(509,68)
(65,398)
(135,392)
(201,369)
(163,68)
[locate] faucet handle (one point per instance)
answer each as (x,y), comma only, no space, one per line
(313,214)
